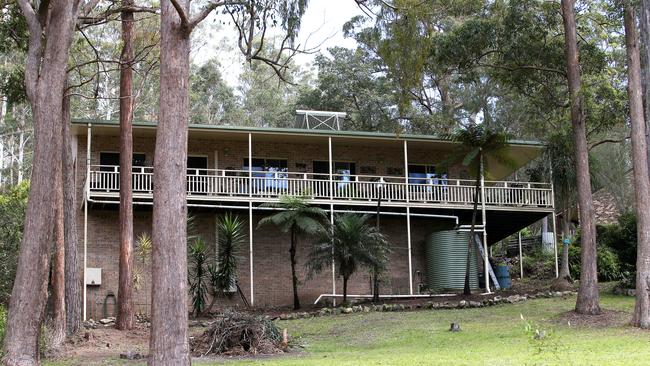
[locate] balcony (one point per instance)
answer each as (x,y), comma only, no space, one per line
(219,185)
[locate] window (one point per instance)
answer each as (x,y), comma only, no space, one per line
(266,164)
(108,160)
(197,164)
(422,169)
(340,167)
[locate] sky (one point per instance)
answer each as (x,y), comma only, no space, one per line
(322,27)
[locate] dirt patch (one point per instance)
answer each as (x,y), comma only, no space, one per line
(96,345)
(607,318)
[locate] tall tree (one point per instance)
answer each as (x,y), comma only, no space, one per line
(588,296)
(478,144)
(73,285)
(168,343)
(50,25)
(641,316)
(125,310)
(57,331)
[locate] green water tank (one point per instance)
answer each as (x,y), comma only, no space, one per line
(446,258)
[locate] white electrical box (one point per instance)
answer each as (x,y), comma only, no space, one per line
(93,276)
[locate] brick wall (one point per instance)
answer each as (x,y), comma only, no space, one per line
(271,267)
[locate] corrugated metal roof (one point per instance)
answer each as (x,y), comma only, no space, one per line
(293,131)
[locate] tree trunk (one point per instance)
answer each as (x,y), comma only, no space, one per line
(644,21)
(169,296)
(294,277)
(345,290)
(641,316)
(73,289)
(565,272)
(125,311)
(472,240)
(588,296)
(57,332)
(45,76)
(375,277)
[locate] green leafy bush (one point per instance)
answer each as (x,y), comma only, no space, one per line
(13,202)
(609,266)
(539,265)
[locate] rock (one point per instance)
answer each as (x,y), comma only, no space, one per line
(497,299)
(631,292)
(513,299)
(366,309)
(347,310)
(106,321)
(454,327)
(131,355)
(475,304)
(284,316)
(462,304)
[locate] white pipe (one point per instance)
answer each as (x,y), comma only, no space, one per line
(87,198)
(250,249)
(331,184)
(383,296)
(388,213)
(557,266)
(408,215)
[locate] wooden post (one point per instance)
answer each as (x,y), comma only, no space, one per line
(250,250)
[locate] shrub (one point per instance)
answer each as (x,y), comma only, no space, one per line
(609,266)
(539,265)
(13,202)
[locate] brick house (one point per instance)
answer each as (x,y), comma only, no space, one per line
(341,170)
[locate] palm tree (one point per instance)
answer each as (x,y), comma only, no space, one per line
(351,243)
(478,143)
(298,218)
(223,272)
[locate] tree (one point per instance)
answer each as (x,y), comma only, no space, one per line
(297,218)
(352,242)
(168,343)
(50,25)
(641,316)
(588,296)
(223,272)
(478,144)
(125,310)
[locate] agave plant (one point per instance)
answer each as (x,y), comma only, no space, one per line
(223,272)
(198,276)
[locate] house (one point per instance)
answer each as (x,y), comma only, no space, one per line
(239,168)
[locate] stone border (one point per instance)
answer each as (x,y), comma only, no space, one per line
(433,305)
(624,291)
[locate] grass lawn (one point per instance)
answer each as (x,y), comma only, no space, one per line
(489,336)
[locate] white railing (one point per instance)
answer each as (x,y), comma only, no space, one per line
(263,184)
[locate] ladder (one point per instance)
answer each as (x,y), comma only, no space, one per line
(492,275)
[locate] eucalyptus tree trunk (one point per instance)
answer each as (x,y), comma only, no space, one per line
(641,316)
(588,296)
(57,329)
(644,21)
(169,335)
(50,36)
(294,277)
(73,289)
(125,310)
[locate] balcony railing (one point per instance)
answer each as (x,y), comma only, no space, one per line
(264,185)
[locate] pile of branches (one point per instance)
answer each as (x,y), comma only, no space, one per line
(238,333)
